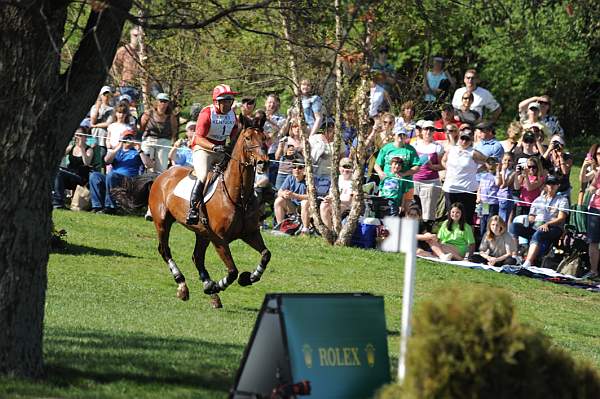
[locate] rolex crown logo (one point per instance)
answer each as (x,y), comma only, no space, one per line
(307,355)
(370,350)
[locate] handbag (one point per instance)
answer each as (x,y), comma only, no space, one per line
(81,200)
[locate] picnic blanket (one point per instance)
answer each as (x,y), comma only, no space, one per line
(531,271)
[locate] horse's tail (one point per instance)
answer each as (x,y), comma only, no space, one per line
(134,191)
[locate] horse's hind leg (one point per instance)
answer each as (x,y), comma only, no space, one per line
(256,242)
(198,259)
(163,228)
(232,272)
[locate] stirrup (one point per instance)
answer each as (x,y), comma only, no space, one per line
(193,217)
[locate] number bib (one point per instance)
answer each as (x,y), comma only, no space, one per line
(220,125)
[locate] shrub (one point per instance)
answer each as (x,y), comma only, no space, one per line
(469,344)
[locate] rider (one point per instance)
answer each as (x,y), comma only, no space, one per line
(215,123)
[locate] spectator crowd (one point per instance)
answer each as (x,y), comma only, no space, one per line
(491,201)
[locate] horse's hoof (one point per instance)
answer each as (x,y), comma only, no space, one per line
(210,287)
(245,279)
(215,302)
(183,293)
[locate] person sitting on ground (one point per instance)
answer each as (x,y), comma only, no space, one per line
(497,247)
(590,178)
(345,190)
(181,153)
(79,157)
(409,166)
(514,136)
(424,237)
(455,237)
(127,160)
(546,220)
(483,99)
(292,196)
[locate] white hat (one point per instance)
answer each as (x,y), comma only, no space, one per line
(105,89)
(163,97)
(419,123)
(558,138)
(126,97)
(190,124)
(534,104)
(427,124)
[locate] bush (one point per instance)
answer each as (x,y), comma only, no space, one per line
(468,344)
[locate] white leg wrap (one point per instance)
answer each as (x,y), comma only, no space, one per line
(223,283)
(173,267)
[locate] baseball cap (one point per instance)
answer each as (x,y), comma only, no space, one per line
(398,158)
(552,180)
(427,124)
(105,89)
(466,133)
(419,123)
(485,126)
(190,124)
(128,134)
(533,105)
(346,163)
(163,97)
(558,139)
(125,97)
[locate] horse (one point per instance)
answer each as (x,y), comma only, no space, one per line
(232,212)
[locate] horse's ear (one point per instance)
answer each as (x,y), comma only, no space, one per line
(259,123)
(244,122)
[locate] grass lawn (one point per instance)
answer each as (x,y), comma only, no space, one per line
(114,328)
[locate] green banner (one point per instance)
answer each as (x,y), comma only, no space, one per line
(338,343)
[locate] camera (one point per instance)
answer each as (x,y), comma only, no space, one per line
(184,143)
(556,145)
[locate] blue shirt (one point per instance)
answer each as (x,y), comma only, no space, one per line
(127,163)
(298,187)
(488,189)
(183,156)
(311,105)
(490,148)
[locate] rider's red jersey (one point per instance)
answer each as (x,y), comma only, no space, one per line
(214,126)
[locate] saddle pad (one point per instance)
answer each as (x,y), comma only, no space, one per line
(185,185)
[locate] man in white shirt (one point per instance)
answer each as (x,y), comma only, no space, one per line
(482,97)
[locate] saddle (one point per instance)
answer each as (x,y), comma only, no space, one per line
(214,174)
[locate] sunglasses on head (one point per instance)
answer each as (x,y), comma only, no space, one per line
(163,101)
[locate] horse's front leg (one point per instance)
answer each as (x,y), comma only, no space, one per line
(163,228)
(255,240)
(198,259)
(232,272)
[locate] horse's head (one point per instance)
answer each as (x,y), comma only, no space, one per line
(252,140)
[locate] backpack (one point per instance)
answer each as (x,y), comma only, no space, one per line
(289,226)
(574,264)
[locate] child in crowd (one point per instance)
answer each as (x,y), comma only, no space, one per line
(345,190)
(497,246)
(424,237)
(505,179)
(391,186)
(455,237)
(487,194)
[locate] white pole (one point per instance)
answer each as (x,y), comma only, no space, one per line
(408,245)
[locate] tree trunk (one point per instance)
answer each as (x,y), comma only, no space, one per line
(39,119)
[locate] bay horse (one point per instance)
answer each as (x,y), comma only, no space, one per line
(232,212)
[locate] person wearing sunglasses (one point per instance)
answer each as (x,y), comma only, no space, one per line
(545,117)
(460,184)
(293,196)
(464,113)
(483,100)
(160,126)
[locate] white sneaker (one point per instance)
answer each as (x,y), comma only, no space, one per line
(446,257)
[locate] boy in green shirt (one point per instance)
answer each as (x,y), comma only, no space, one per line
(391,187)
(409,165)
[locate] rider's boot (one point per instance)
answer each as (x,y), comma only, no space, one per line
(195,213)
